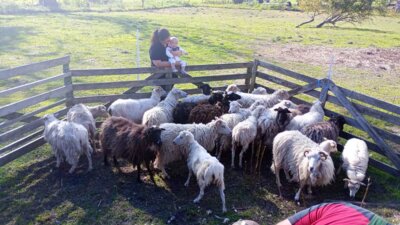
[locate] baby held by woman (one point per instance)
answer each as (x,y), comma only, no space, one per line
(173,46)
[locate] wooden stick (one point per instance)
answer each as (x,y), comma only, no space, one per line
(366,192)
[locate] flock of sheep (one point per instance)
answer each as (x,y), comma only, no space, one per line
(156,132)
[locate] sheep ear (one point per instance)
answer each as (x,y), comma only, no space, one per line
(361,183)
(323,155)
(324,139)
(346,179)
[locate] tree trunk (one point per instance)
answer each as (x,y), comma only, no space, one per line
(309,21)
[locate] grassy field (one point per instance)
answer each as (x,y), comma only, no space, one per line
(33,192)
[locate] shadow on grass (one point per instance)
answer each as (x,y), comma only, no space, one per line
(358,29)
(12,36)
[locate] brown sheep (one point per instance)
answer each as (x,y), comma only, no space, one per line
(205,113)
(137,143)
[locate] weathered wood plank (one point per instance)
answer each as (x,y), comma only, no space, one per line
(253,75)
(157,82)
(100,72)
(15,115)
(21,141)
(198,84)
(25,87)
(14,107)
(287,72)
(34,67)
(365,125)
(69,95)
(384,167)
(306,88)
(31,114)
(332,99)
(324,92)
(370,100)
(8,157)
(19,131)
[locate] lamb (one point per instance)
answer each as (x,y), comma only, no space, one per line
(205,134)
(206,167)
(67,139)
(355,162)
(304,159)
(244,133)
(162,113)
(327,129)
(121,138)
(81,114)
(248,99)
(260,91)
(134,109)
(235,116)
(315,115)
(206,89)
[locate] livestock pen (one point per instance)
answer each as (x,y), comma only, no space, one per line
(21,125)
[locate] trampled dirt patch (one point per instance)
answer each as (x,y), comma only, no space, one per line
(375,59)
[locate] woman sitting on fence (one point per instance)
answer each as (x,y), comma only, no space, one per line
(158,55)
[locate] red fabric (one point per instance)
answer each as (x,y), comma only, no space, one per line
(333,214)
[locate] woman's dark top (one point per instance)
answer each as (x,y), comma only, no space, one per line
(157,52)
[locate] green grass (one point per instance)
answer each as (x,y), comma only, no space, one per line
(32,191)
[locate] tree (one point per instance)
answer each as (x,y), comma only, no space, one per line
(351,11)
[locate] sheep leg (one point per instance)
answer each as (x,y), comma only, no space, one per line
(89,158)
(278,179)
(73,167)
(287,175)
(338,170)
(138,173)
(58,161)
(297,196)
(252,156)
(244,149)
(219,153)
(222,195)
(309,190)
(115,161)
(150,172)
(188,179)
(233,155)
(201,194)
(261,158)
(105,158)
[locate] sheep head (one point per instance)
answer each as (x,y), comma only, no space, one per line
(353,186)
(234,107)
(206,89)
(283,117)
(98,111)
(230,97)
(314,158)
(159,92)
(339,121)
(183,138)
(329,146)
(260,91)
(222,127)
(232,88)
(48,118)
(153,135)
(178,93)
(282,94)
(216,96)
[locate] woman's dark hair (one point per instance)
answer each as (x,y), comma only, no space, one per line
(160,35)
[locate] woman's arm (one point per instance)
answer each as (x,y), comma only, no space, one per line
(177,53)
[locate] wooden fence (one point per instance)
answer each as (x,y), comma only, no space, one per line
(252,74)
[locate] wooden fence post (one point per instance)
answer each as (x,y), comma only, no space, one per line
(67,82)
(253,75)
(324,92)
(392,156)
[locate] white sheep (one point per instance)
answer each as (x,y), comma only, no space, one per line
(260,91)
(355,162)
(162,113)
(133,109)
(81,114)
(205,134)
(269,99)
(244,133)
(67,139)
(206,167)
(315,115)
(298,155)
(236,115)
